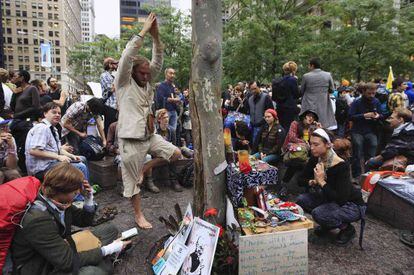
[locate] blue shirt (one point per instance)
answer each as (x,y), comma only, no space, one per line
(359,107)
(164,92)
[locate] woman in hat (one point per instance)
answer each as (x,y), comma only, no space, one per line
(270,139)
(299,133)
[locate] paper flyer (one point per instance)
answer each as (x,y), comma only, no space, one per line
(202,244)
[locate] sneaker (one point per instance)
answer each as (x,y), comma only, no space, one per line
(321,231)
(177,187)
(149,183)
(345,235)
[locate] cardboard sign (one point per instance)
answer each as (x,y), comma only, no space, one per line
(275,253)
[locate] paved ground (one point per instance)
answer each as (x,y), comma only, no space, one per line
(383,253)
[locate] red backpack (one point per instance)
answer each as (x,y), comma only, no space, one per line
(15,197)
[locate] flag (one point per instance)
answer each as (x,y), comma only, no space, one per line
(390,79)
(45,52)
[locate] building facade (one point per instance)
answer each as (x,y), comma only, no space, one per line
(88,20)
(132,11)
(28,23)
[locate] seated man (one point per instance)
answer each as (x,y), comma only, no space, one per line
(44,244)
(8,154)
(402,139)
(43,147)
(75,121)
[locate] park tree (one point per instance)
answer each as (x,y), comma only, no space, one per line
(86,58)
(207,125)
(175,30)
(364,38)
(259,36)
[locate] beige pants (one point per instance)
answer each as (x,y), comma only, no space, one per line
(133,153)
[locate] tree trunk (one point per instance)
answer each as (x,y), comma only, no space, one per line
(207,124)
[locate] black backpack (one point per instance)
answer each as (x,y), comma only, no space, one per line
(91,148)
(279,92)
(186,176)
(342,108)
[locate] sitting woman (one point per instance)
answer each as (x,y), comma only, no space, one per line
(44,244)
(335,203)
(270,138)
(243,133)
(298,134)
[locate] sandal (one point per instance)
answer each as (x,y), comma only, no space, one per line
(407,238)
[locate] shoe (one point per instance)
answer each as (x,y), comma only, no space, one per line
(177,187)
(149,183)
(321,231)
(345,235)
(407,238)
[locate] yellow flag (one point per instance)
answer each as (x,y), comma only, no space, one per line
(390,79)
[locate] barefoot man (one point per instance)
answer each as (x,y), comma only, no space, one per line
(136,125)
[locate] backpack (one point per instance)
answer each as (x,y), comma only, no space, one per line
(91,148)
(186,177)
(296,154)
(16,197)
(341,112)
(279,92)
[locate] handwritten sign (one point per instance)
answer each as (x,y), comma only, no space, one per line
(275,253)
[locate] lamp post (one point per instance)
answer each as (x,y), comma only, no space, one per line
(48,41)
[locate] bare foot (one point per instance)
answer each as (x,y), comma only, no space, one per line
(142,222)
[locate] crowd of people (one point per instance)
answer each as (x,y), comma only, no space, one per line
(329,134)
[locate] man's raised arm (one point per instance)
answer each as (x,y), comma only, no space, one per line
(157,50)
(126,62)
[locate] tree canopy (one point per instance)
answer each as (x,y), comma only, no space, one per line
(355,39)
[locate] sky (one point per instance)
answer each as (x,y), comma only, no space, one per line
(107,15)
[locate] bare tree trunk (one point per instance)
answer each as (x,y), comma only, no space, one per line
(207,124)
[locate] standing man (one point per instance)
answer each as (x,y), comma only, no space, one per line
(56,93)
(257,103)
(166,98)
(136,121)
(315,89)
(108,91)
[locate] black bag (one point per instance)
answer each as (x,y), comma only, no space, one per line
(186,177)
(342,109)
(279,92)
(91,148)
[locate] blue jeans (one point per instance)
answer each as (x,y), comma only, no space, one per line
(363,148)
(268,158)
(173,119)
(255,133)
(330,214)
(82,166)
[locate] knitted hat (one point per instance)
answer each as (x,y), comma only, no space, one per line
(272,112)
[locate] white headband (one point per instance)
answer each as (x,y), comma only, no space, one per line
(321,132)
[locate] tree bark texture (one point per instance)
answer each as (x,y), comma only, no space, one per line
(207,123)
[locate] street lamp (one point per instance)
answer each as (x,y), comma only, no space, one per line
(48,41)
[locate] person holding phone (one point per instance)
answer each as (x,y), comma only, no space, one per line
(8,154)
(365,117)
(43,147)
(45,244)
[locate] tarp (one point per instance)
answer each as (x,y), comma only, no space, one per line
(402,187)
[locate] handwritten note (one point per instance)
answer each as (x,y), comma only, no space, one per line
(275,253)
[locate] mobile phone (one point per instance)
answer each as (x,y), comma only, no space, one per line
(74,161)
